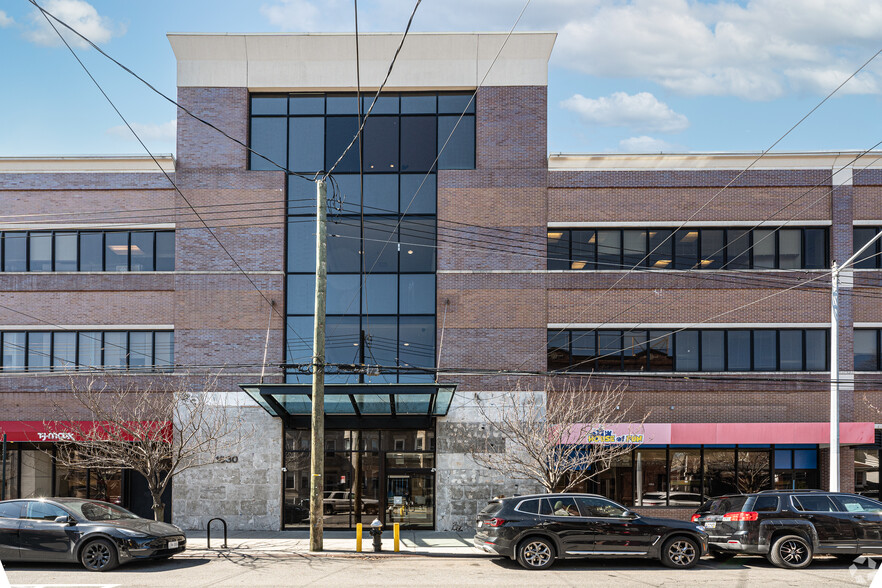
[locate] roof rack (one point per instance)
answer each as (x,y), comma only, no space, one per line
(791,491)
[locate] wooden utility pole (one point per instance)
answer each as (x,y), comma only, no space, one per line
(317,444)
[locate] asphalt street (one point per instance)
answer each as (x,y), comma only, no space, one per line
(308,570)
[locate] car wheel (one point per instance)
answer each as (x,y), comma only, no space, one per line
(722,555)
(791,551)
(680,552)
(99,556)
(536,553)
(329,510)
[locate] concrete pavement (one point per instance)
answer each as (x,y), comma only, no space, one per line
(336,543)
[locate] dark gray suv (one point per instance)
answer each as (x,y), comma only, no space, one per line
(789,527)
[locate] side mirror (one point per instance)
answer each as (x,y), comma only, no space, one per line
(66,520)
(630,514)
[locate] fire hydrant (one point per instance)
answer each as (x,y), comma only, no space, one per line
(376,532)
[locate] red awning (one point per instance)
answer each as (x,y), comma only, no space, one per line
(36,431)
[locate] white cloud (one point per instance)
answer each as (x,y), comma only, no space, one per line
(645,144)
(148,132)
(759,50)
(81,16)
(642,112)
(5,20)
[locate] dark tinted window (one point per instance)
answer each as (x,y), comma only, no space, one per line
(633,248)
(41,252)
(165,251)
(813,503)
(92,252)
(116,252)
(342,294)
(306,143)
(765,504)
(609,248)
(306,104)
(738,249)
(791,350)
(491,508)
(597,507)
(529,506)
(268,138)
(269,105)
(765,350)
(416,104)
(868,258)
(417,245)
(687,351)
(661,249)
(857,504)
(343,246)
(609,350)
(562,506)
(38,351)
(43,511)
(460,150)
(866,353)
(686,248)
(816,350)
(15,252)
(417,194)
(713,351)
(558,350)
(417,143)
(381,244)
(545,507)
(10,510)
(381,144)
(713,248)
(727,504)
(738,352)
(142,252)
(584,252)
(416,294)
(559,250)
(815,249)
(380,295)
(339,131)
(456,103)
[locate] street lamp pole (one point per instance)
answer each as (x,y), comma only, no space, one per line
(834,361)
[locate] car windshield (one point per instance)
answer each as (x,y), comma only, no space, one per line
(99,511)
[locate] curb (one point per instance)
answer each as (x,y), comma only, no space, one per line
(233,553)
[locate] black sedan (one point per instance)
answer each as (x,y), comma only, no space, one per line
(97,534)
(536,530)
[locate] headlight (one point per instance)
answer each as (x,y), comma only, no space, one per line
(130,533)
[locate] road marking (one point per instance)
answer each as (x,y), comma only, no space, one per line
(4,581)
(60,585)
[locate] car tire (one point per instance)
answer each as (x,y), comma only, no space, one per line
(722,556)
(99,556)
(535,553)
(680,553)
(791,552)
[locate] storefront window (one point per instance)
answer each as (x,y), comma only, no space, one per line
(753,471)
(685,477)
(36,473)
(651,477)
(866,472)
(617,482)
(719,471)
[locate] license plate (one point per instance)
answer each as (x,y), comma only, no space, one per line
(172,544)
(710,525)
(480,524)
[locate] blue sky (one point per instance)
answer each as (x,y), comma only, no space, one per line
(625,75)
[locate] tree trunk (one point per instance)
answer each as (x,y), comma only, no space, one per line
(158,506)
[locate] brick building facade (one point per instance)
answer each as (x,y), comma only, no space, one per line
(524,254)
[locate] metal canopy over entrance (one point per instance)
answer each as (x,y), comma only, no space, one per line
(375,403)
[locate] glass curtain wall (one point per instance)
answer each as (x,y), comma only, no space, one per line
(382,227)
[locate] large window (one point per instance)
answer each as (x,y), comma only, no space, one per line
(693,350)
(382,238)
(866,350)
(71,350)
(869,259)
(87,251)
(685,249)
(686,476)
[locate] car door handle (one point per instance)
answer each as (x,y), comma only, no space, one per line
(859,516)
(809,516)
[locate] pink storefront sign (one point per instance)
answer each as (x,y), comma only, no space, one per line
(718,433)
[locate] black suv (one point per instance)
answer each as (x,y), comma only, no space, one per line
(535,530)
(789,527)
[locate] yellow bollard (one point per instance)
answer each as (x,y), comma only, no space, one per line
(358,537)
(397,537)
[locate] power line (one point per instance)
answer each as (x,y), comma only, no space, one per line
(172,182)
(380,89)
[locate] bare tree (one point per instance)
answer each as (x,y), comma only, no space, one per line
(556,437)
(170,424)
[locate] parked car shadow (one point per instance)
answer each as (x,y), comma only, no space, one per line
(608,564)
(138,567)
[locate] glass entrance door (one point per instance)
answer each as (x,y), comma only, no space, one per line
(410,499)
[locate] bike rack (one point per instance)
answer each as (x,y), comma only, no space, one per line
(208,533)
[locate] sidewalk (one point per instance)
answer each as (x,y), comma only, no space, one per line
(276,544)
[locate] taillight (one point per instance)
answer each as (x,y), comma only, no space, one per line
(695,517)
(740,516)
(495,522)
